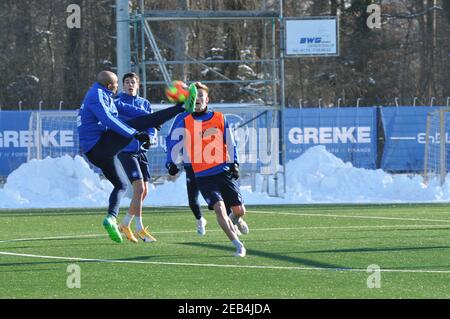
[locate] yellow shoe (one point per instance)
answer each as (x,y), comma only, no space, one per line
(127,232)
(146,236)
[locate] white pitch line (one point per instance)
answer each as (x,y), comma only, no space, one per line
(353,216)
(354,227)
(219,230)
(49,238)
(221,265)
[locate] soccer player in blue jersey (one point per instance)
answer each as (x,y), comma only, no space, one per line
(134,161)
(207,143)
(103,135)
(191,183)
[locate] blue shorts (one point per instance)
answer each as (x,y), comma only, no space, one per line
(219,187)
(135,166)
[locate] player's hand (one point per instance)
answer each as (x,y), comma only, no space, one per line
(172,168)
(234,170)
(143,137)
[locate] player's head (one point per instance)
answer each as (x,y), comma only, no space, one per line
(201,103)
(109,80)
(131,83)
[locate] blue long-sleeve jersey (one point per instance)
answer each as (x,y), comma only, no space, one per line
(174,139)
(126,102)
(98,113)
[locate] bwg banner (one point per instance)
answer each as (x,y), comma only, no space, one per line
(349,133)
(312,36)
(405,130)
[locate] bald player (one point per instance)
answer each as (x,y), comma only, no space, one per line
(103,135)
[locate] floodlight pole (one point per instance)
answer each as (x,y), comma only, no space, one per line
(123,39)
(283,98)
(282,53)
(143,67)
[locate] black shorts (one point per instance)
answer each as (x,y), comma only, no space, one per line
(135,166)
(219,187)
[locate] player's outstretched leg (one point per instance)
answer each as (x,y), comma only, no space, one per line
(160,117)
(227,226)
(155,119)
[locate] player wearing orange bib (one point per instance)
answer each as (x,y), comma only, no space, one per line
(208,145)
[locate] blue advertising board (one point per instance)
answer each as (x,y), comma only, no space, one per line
(14,140)
(404,128)
(349,133)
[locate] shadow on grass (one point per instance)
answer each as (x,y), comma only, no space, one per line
(270,255)
(139,258)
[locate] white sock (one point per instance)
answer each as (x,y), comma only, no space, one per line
(138,222)
(127,220)
(237,243)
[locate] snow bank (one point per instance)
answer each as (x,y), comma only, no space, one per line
(317,176)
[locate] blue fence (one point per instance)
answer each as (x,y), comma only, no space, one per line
(350,133)
(404,129)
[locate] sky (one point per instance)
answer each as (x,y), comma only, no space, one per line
(317,176)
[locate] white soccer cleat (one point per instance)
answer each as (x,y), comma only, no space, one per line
(201,224)
(242,226)
(240,251)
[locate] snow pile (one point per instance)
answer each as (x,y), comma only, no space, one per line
(316,176)
(55,182)
(320,177)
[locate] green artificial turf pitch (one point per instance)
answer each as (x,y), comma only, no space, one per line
(296,251)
